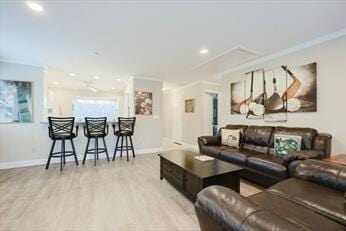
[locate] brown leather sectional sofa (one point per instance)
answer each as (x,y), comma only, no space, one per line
(312,200)
(256,152)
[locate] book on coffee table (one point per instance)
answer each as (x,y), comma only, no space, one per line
(204,158)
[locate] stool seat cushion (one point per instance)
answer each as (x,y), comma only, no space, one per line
(65,136)
(96,134)
(123,133)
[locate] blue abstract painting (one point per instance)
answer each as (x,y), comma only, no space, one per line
(15,101)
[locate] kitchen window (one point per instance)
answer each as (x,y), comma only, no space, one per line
(90,107)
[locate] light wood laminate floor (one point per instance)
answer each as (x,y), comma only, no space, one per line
(118,195)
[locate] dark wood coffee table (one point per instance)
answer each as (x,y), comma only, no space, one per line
(190,175)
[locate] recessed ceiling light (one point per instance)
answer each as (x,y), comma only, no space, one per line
(113,88)
(56,83)
(96,77)
(72,74)
(35,6)
(119,80)
(203,51)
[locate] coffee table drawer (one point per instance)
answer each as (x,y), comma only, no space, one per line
(171,178)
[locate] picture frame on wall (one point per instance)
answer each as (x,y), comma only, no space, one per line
(190,105)
(253,105)
(143,103)
(275,85)
(16,104)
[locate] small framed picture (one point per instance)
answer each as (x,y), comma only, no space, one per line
(143,103)
(190,105)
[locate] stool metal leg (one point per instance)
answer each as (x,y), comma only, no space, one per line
(74,152)
(121,148)
(127,149)
(105,146)
(133,150)
(116,147)
(64,158)
(95,153)
(62,154)
(86,150)
(50,154)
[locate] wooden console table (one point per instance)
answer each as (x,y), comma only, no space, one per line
(338,159)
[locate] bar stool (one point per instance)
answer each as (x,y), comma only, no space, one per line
(125,129)
(61,129)
(95,128)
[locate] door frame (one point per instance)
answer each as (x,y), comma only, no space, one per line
(219,94)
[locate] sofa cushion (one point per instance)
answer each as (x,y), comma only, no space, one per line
(254,148)
(307,134)
(258,135)
(267,164)
(293,212)
(323,200)
(235,156)
(213,150)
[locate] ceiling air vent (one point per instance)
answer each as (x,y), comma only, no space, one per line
(227,60)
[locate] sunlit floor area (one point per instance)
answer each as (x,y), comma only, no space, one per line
(117,195)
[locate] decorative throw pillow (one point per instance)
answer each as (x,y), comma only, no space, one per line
(285,144)
(230,137)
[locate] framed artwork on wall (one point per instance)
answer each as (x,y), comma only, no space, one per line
(143,103)
(15,102)
(253,105)
(190,105)
(237,96)
(302,88)
(275,89)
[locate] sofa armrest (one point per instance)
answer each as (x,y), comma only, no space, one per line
(220,208)
(323,142)
(324,173)
(209,140)
(302,155)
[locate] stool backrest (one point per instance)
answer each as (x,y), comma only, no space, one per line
(60,126)
(126,124)
(96,125)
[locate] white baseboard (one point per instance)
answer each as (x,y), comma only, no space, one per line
(27,163)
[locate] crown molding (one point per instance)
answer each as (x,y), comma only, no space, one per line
(147,78)
(192,84)
(20,61)
(289,50)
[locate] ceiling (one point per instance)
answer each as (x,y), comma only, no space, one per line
(157,39)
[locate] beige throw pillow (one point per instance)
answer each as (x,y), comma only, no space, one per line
(230,137)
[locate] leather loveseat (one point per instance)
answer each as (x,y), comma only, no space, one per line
(256,152)
(312,200)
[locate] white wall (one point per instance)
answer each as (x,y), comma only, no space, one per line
(24,141)
(29,144)
(331,91)
(191,123)
(148,129)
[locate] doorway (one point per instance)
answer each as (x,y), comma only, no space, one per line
(211,100)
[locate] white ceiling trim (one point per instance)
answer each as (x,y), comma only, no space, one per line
(302,46)
(243,48)
(192,84)
(147,78)
(23,62)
